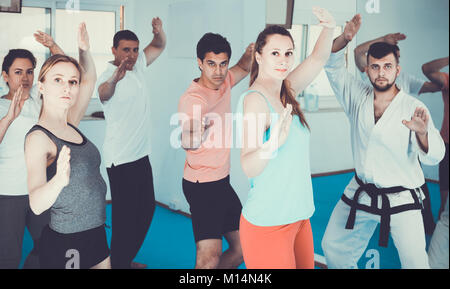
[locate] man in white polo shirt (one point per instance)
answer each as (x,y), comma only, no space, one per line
(123,92)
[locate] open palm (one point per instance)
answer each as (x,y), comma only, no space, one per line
(83,37)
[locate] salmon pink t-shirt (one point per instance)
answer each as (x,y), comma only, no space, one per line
(444,128)
(211,161)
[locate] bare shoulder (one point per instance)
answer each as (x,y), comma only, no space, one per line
(37,142)
(255,102)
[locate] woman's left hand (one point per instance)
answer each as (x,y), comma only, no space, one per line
(83,37)
(325,18)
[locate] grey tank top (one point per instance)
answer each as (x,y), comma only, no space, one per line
(81,205)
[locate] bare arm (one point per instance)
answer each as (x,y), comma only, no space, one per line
(156,47)
(194,133)
(432,70)
(106,90)
(43,194)
(255,155)
(253,130)
(308,70)
(14,110)
(4,125)
(350,30)
(47,41)
(195,126)
(89,77)
(362,49)
(243,67)
(428,87)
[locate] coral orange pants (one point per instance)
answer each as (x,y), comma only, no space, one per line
(277,247)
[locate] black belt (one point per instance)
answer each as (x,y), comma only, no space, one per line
(385,212)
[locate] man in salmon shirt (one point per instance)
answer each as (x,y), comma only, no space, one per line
(214,205)
(438,250)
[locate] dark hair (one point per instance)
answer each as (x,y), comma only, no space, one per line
(13,54)
(286,93)
(124,35)
(379,50)
(211,42)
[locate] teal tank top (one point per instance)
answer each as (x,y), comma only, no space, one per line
(282,194)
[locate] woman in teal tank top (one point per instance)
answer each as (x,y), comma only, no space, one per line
(275,230)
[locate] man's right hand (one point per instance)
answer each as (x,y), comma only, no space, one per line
(43,38)
(106,90)
(206,124)
(394,38)
(352,27)
(120,72)
(350,30)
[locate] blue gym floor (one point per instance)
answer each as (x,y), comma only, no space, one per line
(170,243)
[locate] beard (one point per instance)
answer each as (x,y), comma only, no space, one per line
(384,88)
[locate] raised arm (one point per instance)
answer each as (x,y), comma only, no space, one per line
(347,89)
(308,70)
(243,67)
(432,71)
(362,49)
(350,30)
(194,133)
(106,89)
(156,47)
(89,77)
(428,87)
(47,41)
(43,194)
(13,112)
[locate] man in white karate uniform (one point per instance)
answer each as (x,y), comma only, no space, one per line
(391,133)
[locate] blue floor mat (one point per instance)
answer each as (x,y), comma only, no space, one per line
(170,242)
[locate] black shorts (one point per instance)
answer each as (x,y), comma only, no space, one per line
(443,171)
(215,208)
(81,250)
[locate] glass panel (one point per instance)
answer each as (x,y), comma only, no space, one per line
(297,34)
(321,83)
(19,34)
(101,28)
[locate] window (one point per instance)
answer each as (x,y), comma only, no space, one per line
(19,34)
(100,35)
(305,38)
(102,22)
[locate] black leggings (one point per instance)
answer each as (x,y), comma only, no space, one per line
(15,215)
(133,205)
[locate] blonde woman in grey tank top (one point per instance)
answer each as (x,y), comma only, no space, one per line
(76,200)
